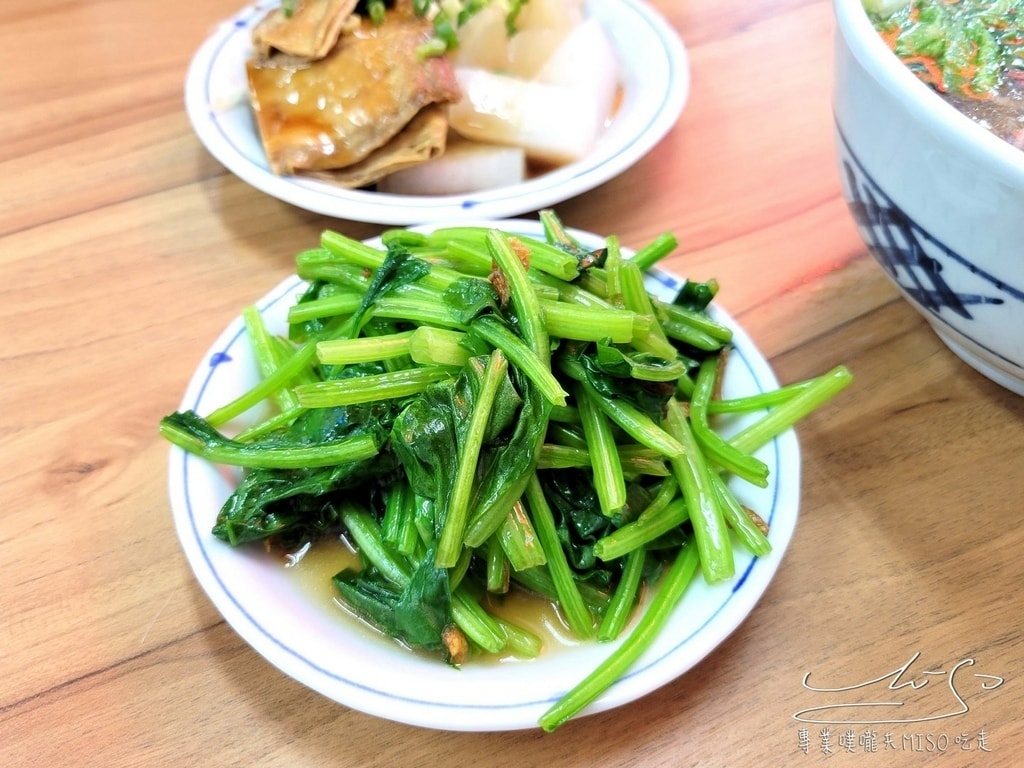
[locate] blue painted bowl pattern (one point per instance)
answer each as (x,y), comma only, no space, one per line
(925,268)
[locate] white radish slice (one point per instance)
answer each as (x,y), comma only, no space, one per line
(552,123)
(586,60)
(559,15)
(464,167)
(483,40)
(529,50)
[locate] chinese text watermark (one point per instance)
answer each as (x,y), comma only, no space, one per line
(895,711)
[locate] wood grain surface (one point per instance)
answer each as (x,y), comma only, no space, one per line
(125,248)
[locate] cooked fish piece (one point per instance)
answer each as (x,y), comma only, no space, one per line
(334,112)
(310,32)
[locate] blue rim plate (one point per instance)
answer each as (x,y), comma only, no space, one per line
(308,639)
(655,79)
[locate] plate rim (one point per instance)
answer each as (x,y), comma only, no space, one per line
(556,186)
(740,595)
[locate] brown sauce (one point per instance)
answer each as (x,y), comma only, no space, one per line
(314,568)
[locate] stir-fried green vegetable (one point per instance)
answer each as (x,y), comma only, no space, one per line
(477,412)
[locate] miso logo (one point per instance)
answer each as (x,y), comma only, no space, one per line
(910,693)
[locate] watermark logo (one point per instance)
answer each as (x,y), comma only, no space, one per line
(896,710)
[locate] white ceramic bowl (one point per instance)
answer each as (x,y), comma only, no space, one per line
(938,200)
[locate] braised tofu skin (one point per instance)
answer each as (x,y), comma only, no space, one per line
(424,138)
(310,32)
(333,112)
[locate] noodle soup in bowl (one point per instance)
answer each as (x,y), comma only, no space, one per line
(938,198)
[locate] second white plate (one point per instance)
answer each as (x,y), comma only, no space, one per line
(655,82)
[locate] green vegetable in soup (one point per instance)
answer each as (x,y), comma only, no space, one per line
(965,48)
(477,412)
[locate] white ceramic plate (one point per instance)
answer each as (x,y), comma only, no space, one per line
(308,639)
(656,81)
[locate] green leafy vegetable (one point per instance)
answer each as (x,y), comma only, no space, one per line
(478,412)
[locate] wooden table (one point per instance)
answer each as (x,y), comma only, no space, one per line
(125,248)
